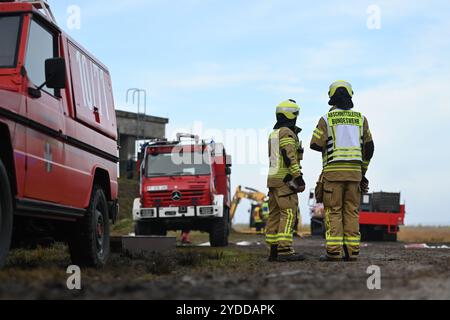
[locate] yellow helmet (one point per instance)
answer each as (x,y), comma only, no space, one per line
(289,108)
(340,84)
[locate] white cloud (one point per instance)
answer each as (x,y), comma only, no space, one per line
(108,8)
(406,103)
(204,76)
(410,123)
(284,88)
(209,80)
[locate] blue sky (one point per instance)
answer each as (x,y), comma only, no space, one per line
(227,64)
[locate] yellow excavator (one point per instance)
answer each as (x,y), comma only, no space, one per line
(259,211)
(260,206)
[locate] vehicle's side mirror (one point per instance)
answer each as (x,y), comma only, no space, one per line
(55,73)
(227,171)
(55,77)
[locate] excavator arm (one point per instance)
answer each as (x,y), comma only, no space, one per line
(246,193)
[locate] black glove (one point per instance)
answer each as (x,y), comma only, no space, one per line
(299,180)
(364,185)
(301,183)
(297,185)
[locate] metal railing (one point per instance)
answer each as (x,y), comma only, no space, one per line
(42,6)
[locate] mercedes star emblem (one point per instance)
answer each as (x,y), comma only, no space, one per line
(176,195)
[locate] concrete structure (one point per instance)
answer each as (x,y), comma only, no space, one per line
(131,128)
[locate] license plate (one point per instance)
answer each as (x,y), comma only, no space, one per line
(182,209)
(171,213)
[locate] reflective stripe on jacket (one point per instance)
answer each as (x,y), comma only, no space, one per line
(345,138)
(286,140)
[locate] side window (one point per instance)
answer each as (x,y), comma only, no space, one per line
(40,48)
(9,35)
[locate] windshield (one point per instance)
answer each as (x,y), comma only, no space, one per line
(9,37)
(167,164)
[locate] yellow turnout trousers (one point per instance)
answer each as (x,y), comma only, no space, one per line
(283,208)
(342,201)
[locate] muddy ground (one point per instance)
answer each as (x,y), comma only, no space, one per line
(237,272)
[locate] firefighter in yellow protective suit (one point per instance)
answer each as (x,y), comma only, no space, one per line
(258,219)
(265,211)
(344,138)
(265,214)
(285,181)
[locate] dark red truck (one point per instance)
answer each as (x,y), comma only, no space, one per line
(380,216)
(184,186)
(58,137)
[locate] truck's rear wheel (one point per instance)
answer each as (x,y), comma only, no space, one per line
(370,233)
(89,242)
(218,236)
(149,228)
(6,215)
(390,237)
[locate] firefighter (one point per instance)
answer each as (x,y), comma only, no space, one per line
(258,219)
(285,181)
(265,211)
(185,239)
(344,138)
(265,214)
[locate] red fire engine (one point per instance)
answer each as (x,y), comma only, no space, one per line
(58,135)
(184,186)
(380,216)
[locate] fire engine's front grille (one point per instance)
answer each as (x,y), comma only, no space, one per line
(179,198)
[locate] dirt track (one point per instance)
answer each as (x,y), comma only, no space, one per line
(234,273)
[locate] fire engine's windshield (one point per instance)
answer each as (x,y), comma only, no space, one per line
(9,37)
(168,164)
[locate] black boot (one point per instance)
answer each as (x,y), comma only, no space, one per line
(273,253)
(296,257)
(348,257)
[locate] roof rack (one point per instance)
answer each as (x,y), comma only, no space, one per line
(160,142)
(43,7)
(189,136)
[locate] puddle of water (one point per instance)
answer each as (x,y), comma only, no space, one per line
(424,246)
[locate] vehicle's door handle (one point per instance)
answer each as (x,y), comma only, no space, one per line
(97,115)
(62,135)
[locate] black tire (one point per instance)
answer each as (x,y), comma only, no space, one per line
(6,215)
(149,228)
(89,239)
(369,233)
(390,237)
(218,235)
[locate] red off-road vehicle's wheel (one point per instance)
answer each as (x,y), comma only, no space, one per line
(89,239)
(6,214)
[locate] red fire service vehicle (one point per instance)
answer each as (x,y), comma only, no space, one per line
(380,216)
(58,136)
(184,185)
